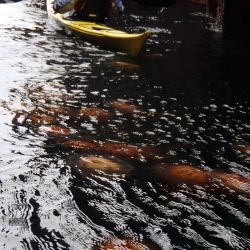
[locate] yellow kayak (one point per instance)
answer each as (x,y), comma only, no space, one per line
(102,34)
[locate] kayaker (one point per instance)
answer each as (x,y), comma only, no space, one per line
(89,10)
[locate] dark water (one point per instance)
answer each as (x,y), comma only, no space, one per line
(193,84)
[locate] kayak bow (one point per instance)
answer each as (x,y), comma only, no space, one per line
(101,34)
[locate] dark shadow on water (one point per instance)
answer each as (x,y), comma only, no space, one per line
(157,3)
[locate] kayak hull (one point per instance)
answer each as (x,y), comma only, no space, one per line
(101,34)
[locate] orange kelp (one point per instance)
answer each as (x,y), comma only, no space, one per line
(100,115)
(57,130)
(80,144)
(57,110)
(34,118)
(126,65)
(179,174)
(186,174)
(233,181)
(40,118)
(125,244)
(113,148)
(125,150)
(126,107)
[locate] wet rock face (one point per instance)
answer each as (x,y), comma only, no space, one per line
(215,7)
(199,1)
(39,118)
(236,17)
(234,14)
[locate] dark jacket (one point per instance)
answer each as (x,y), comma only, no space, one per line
(93,10)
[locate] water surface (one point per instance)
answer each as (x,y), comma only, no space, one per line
(191,83)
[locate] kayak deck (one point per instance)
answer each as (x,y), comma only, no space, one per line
(102,34)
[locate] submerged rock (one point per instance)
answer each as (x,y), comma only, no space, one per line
(108,165)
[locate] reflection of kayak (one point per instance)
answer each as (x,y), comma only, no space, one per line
(101,34)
